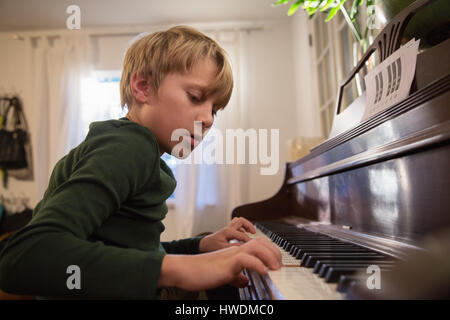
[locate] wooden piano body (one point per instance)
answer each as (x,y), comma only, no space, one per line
(383,183)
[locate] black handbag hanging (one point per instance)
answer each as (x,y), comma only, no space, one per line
(12,143)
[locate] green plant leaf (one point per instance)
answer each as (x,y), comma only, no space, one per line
(354,10)
(311,11)
(325,7)
(334,11)
(312,6)
(279,2)
(295,7)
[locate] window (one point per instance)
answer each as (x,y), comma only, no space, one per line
(322,34)
(100,100)
(335,54)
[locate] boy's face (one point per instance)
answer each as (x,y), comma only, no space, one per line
(179,103)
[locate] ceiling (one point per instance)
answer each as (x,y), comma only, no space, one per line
(51,14)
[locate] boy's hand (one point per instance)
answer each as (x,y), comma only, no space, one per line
(234,231)
(210,270)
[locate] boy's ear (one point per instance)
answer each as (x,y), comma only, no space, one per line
(141,86)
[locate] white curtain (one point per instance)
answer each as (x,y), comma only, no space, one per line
(206,193)
(56,68)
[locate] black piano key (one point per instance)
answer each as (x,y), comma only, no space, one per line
(301,238)
(301,251)
(324,270)
(296,251)
(305,252)
(316,243)
(288,242)
(310,260)
(325,245)
(334,273)
(320,263)
(291,248)
(345,281)
(321,242)
(307,236)
(319,245)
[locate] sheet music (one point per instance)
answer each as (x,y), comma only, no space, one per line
(390,81)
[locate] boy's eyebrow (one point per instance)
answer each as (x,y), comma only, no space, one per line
(197,86)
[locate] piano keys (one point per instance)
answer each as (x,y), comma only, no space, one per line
(327,277)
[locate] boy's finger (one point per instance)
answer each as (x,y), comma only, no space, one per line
(268,257)
(234,244)
(250,262)
(240,222)
(268,246)
(240,281)
(238,235)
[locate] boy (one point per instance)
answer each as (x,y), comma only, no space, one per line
(101,214)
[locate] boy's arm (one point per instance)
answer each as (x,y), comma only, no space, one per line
(183,246)
(36,259)
(210,270)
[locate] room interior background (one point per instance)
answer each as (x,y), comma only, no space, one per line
(55,71)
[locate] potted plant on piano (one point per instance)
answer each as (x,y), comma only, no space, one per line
(378,13)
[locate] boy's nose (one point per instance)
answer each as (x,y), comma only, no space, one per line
(206,117)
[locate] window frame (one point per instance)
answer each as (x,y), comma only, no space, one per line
(329,33)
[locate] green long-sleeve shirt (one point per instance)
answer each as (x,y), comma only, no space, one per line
(102,212)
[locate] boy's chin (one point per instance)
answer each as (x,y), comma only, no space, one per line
(181,153)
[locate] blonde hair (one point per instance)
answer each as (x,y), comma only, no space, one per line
(175,50)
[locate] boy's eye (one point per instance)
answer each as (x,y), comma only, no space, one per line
(194,98)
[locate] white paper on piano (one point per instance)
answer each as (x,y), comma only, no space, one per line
(390,81)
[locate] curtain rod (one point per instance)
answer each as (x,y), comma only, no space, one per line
(134,30)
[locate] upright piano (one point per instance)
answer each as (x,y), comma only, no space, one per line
(366,213)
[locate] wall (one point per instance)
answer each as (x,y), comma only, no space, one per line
(305,78)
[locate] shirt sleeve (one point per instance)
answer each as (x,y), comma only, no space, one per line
(183,246)
(37,259)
